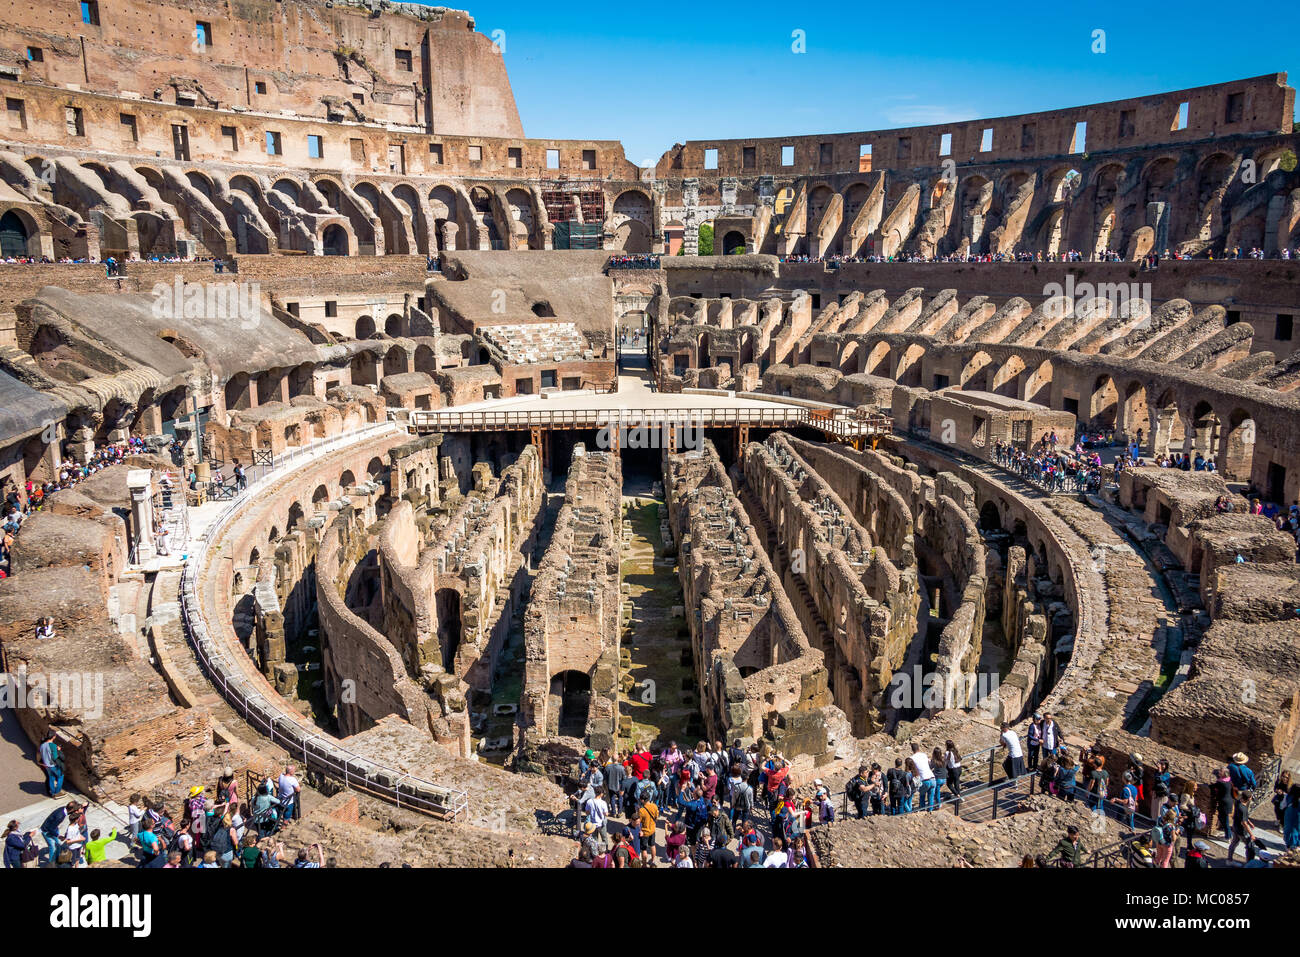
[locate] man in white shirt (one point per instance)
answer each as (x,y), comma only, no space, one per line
(928,783)
(598,813)
(778,856)
(289,791)
(1015,762)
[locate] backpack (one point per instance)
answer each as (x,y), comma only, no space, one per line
(165,831)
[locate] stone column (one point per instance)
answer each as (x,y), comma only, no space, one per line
(140,484)
(449,231)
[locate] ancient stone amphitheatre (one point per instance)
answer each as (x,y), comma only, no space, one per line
(370,436)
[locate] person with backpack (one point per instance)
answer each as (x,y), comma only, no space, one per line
(264,817)
(1243,830)
(742,802)
(896,785)
(1240,774)
(16,844)
(1128,799)
(151,847)
(858,791)
(1162,839)
(51,761)
(50,829)
(695,813)
(224,841)
(1161,785)
(1221,791)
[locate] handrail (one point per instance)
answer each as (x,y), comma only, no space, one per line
(317,752)
(843,424)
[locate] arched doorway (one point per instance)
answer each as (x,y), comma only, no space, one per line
(334,241)
(14,235)
(733,244)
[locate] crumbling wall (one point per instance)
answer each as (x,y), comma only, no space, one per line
(572,623)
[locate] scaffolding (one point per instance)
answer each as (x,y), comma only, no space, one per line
(171,510)
(570,200)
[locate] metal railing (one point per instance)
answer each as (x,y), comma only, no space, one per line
(842,424)
(317,751)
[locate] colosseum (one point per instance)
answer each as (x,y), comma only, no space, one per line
(459,498)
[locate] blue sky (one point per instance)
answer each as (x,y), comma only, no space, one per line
(658,73)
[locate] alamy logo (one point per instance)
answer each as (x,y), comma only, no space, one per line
(1064,299)
(77,911)
(74,692)
(932,691)
(679,434)
(226,301)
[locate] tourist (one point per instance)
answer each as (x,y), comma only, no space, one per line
(927,783)
(290,792)
(1069,849)
(1034,733)
(18,845)
(952,762)
(1243,829)
(1014,763)
(51,760)
(96,847)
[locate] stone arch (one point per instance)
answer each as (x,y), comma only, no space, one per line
(425,361)
(405,195)
(1106,232)
(247,184)
(1205,430)
(975,373)
(19,234)
(849,354)
(395,325)
(296,516)
(1007,380)
(878,360)
(396,361)
(347,479)
(238,391)
(290,188)
(1169,427)
(1103,404)
(1238,453)
(365,370)
(320,496)
(908,372)
(976,198)
(990,517)
(336,241)
(1135,416)
(365,327)
(1213,177)
(733,243)
(1038,385)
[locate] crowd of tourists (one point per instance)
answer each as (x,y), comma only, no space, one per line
(734,806)
(1052,468)
(702,800)
(639,261)
(215,828)
(18,504)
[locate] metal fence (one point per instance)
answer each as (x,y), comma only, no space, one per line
(318,752)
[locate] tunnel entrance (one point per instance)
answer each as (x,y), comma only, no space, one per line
(573,688)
